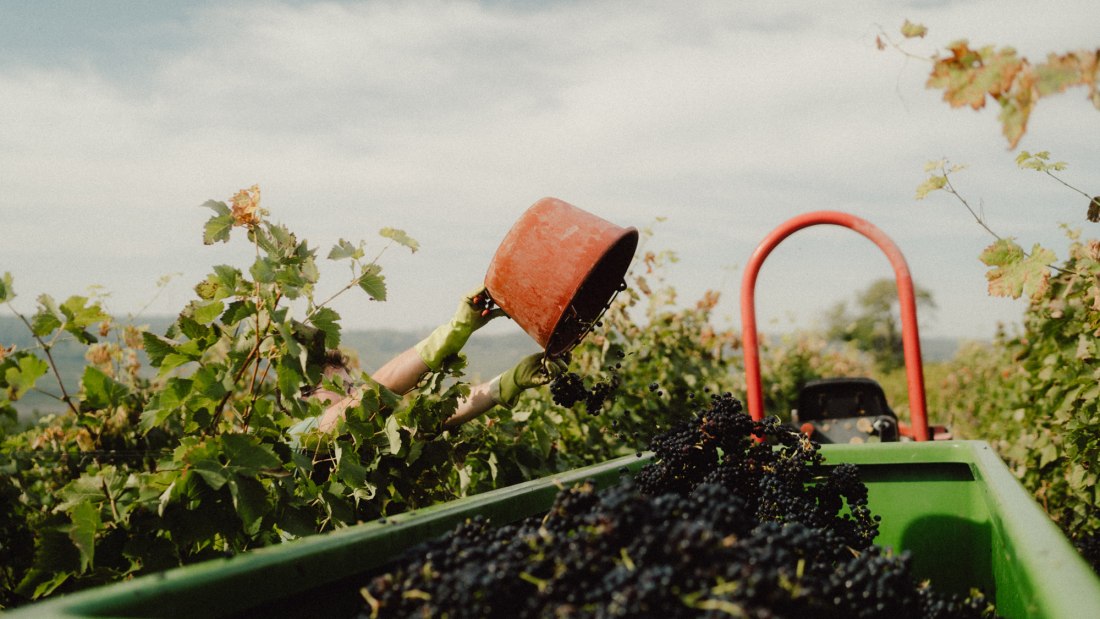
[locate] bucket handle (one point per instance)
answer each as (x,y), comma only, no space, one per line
(910,338)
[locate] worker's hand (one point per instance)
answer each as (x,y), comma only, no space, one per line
(472,314)
(532,371)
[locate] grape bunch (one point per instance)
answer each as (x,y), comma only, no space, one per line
(733,518)
(568,388)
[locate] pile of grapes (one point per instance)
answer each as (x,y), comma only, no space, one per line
(720,525)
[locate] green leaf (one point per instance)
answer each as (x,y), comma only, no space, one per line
(263,270)
(6,291)
(205,313)
(21,376)
(47,318)
(79,315)
(211,471)
(85,523)
(1015,273)
(217,229)
(219,207)
(248,456)
(290,378)
(328,321)
(399,237)
(343,250)
(372,283)
(250,501)
(100,390)
(55,561)
(237,311)
(157,348)
(393,434)
(83,489)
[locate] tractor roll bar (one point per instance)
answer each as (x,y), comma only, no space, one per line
(909,336)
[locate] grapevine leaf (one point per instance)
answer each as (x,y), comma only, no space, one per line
(205,313)
(247,455)
(211,471)
(22,375)
(85,523)
(968,75)
(373,283)
(157,348)
(100,390)
(229,277)
(237,311)
(393,434)
(343,250)
(399,237)
(55,561)
(217,229)
(350,470)
(1013,117)
(250,501)
(263,271)
(328,321)
(87,488)
(910,30)
(6,291)
(47,318)
(219,207)
(290,379)
(208,383)
(930,184)
(1015,273)
(79,315)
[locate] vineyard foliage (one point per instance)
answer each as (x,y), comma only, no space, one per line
(1032,393)
(190,459)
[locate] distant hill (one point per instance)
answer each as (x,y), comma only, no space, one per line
(488,354)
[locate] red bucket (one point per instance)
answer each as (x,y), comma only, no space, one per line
(556,271)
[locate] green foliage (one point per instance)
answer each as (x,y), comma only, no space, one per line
(797,358)
(142,474)
(1035,395)
(875,327)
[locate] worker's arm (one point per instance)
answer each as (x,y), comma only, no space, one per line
(402,373)
(504,390)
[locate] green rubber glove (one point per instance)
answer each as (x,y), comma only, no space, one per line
(532,371)
(449,338)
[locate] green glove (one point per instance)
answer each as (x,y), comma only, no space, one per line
(532,371)
(449,338)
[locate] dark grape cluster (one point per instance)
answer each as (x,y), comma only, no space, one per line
(568,388)
(734,518)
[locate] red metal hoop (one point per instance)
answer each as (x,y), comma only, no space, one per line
(909,335)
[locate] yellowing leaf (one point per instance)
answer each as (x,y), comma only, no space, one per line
(910,30)
(246,206)
(1016,273)
(400,238)
(930,184)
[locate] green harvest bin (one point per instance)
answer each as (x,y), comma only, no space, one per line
(954,504)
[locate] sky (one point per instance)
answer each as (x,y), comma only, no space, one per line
(708,123)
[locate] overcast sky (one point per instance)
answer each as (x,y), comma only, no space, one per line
(447,120)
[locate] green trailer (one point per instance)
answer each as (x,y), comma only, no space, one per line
(953,504)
